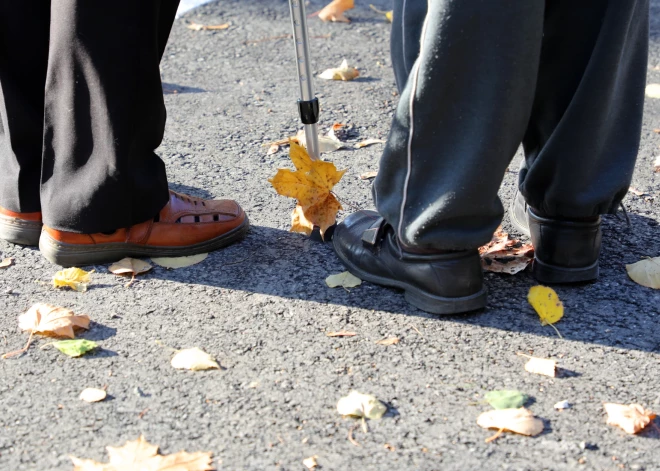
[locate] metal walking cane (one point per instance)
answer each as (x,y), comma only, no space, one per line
(308,104)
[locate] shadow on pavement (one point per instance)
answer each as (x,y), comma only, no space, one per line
(173,89)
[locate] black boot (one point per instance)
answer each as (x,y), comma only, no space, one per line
(440,283)
(565,251)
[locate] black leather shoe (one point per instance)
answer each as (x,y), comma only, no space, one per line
(565,251)
(443,283)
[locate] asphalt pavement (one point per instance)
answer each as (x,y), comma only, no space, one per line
(261,307)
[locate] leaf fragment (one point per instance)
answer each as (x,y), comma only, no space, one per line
(341,333)
(194,359)
(653,90)
(130,266)
(310,463)
(546,303)
(345,279)
(198,27)
(75,278)
(388,341)
(632,418)
(179,262)
(645,272)
(357,404)
(334,11)
(344,72)
(506,399)
(327,144)
(389,15)
(93,395)
(656,164)
(139,455)
(7,262)
(542,366)
(506,255)
(75,348)
(368,175)
(368,142)
(518,420)
(561,405)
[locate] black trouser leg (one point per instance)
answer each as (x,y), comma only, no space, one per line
(583,135)
(104,114)
(406,31)
(24,27)
(471,98)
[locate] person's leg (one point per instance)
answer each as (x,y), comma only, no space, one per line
(407,21)
(104,114)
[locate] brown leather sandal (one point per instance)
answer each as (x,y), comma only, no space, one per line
(185,226)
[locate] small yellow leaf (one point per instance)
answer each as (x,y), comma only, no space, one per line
(546,303)
(194,359)
(388,341)
(344,279)
(129,266)
(74,278)
(632,419)
(361,405)
(334,11)
(343,72)
(542,366)
(179,262)
(93,395)
(520,421)
(645,272)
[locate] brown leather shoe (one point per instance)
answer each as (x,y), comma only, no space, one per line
(185,226)
(20,228)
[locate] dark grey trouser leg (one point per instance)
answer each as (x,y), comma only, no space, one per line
(584,131)
(462,115)
(406,31)
(104,114)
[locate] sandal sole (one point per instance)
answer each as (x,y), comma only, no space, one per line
(18,231)
(69,255)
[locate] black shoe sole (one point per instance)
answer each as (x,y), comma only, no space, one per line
(74,255)
(421,299)
(552,274)
(20,232)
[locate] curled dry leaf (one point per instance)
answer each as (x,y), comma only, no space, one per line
(368,175)
(541,366)
(6,262)
(311,184)
(198,27)
(506,255)
(194,359)
(142,455)
(341,333)
(179,262)
(343,72)
(75,348)
(506,399)
(73,277)
(361,405)
(645,272)
(632,418)
(334,11)
(310,463)
(653,90)
(519,420)
(273,149)
(388,341)
(52,321)
(368,142)
(328,143)
(93,395)
(130,266)
(344,279)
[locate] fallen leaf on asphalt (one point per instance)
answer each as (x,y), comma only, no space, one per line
(334,11)
(361,405)
(653,90)
(130,266)
(518,420)
(194,359)
(368,142)
(368,175)
(50,321)
(310,463)
(73,277)
(635,191)
(93,395)
(343,72)
(341,333)
(541,366)
(273,149)
(506,399)
(140,455)
(328,143)
(388,341)
(547,305)
(632,419)
(505,255)
(75,348)
(6,262)
(389,15)
(345,280)
(645,272)
(561,405)
(179,262)
(656,164)
(311,184)
(198,27)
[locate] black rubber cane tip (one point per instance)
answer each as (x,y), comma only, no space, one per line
(316,234)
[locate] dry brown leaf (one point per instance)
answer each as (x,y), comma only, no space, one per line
(341,333)
(505,255)
(334,11)
(273,149)
(368,175)
(520,421)
(632,418)
(6,262)
(541,366)
(343,72)
(179,262)
(194,359)
(198,27)
(388,341)
(130,266)
(139,455)
(645,272)
(368,142)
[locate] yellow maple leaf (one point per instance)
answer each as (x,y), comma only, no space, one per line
(74,278)
(141,455)
(311,184)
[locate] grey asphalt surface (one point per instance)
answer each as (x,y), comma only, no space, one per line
(262,309)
